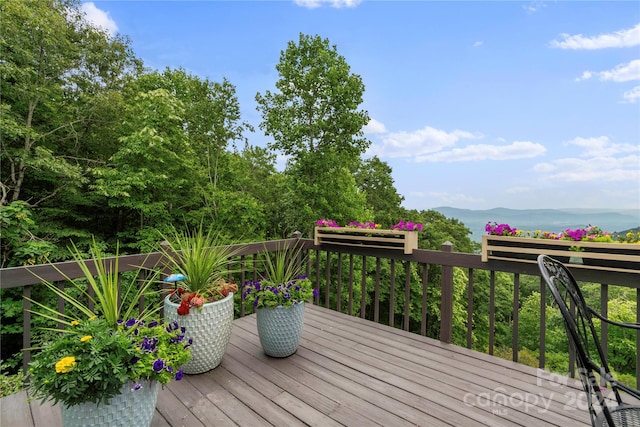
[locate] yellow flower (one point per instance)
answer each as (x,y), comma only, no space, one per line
(65,364)
(93,317)
(86,338)
(75,323)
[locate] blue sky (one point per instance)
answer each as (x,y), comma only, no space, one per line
(474,104)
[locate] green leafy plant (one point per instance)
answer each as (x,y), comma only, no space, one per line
(199,260)
(283,283)
(92,358)
(10,384)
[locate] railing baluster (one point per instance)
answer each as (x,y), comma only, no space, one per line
(543,326)
(339,290)
(492,310)
(407,294)
(351,262)
(363,288)
(60,286)
(423,315)
(470,309)
(392,293)
(446,299)
(516,312)
(327,279)
(638,339)
(376,293)
(26,328)
(317,298)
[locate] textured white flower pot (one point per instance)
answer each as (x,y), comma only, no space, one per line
(210,329)
(127,409)
(280,329)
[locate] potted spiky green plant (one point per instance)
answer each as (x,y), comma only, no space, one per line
(201,298)
(105,365)
(279,299)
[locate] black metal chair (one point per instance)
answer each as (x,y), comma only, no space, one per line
(590,357)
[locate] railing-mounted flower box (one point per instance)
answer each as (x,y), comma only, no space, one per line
(608,256)
(403,240)
(403,236)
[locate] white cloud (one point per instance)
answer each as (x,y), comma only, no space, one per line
(313,4)
(623,38)
(99,18)
(478,43)
(420,142)
(622,72)
(632,96)
(481,152)
(435,145)
(455,199)
(600,161)
(534,6)
(374,126)
(601,146)
(585,76)
(603,169)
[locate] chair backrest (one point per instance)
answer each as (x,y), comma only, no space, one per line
(582,334)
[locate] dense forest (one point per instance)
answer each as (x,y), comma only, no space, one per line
(96,145)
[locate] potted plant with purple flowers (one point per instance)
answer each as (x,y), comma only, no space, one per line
(105,365)
(279,299)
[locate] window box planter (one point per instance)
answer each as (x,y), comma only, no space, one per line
(624,257)
(402,240)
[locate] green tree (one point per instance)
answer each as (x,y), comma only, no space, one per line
(375,181)
(315,121)
(61,82)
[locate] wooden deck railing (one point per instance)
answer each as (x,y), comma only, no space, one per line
(319,269)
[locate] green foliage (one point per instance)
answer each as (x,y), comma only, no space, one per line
(202,256)
(282,283)
(315,121)
(10,384)
(19,244)
(91,360)
(374,179)
(105,284)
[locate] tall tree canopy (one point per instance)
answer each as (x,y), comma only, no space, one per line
(57,71)
(315,121)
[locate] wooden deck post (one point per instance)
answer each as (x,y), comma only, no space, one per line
(446,299)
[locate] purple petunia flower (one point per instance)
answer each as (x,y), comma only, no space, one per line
(130,322)
(153,324)
(316,293)
(179,375)
(134,360)
(158,365)
(136,386)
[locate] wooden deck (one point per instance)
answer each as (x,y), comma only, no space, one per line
(351,372)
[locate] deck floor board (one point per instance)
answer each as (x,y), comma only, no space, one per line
(350,372)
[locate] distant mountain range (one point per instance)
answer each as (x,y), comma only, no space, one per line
(553,220)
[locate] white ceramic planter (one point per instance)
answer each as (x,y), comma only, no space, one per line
(210,329)
(127,409)
(280,329)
